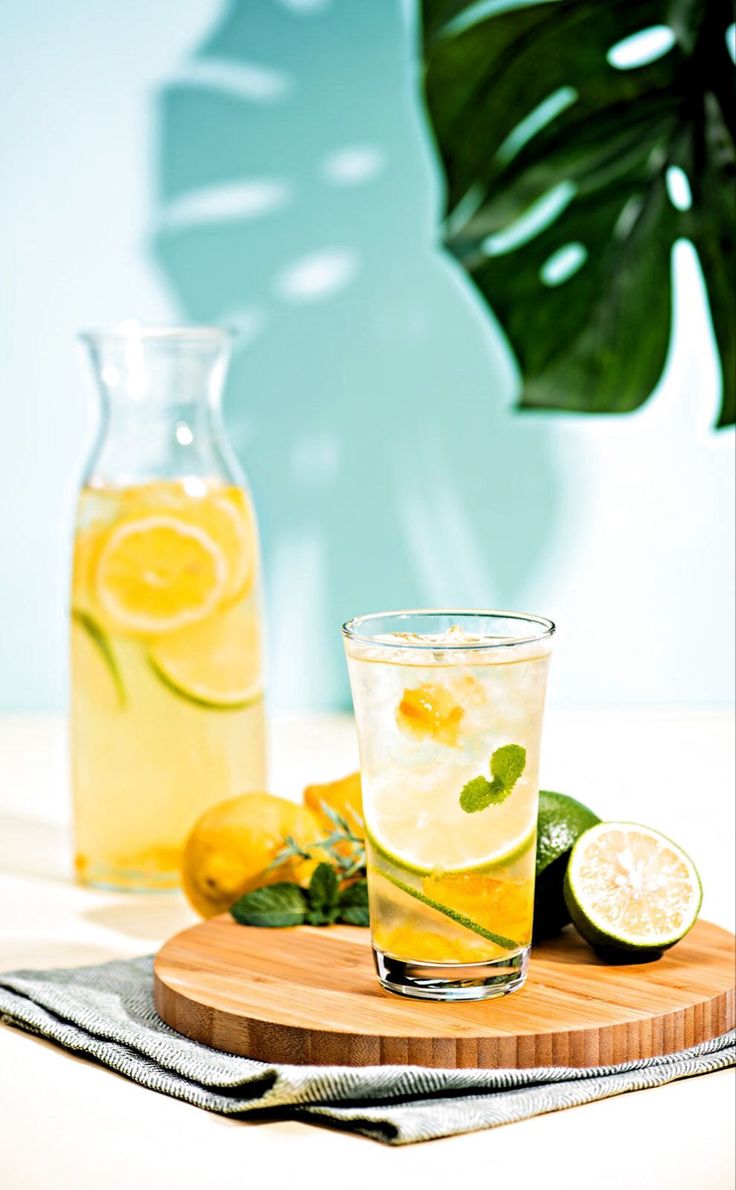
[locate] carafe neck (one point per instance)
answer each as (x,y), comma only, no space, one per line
(160,391)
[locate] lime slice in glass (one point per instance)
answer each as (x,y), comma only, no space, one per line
(421,830)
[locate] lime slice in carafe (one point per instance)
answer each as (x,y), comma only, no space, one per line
(216,663)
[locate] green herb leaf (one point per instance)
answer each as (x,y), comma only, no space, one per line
(335,818)
(557,170)
(322,894)
(507,765)
(290,850)
(353,904)
(283,904)
(476,795)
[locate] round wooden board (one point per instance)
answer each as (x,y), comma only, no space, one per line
(310,996)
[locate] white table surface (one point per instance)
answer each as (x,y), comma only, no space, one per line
(69,1124)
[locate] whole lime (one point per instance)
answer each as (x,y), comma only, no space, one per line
(560,822)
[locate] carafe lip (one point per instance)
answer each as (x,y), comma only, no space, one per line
(181,332)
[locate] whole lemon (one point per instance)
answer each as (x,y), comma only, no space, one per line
(231,845)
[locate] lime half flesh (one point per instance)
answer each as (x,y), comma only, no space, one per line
(630,889)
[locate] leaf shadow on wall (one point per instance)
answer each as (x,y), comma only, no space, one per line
(369,397)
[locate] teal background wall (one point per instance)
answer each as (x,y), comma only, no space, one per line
(265,163)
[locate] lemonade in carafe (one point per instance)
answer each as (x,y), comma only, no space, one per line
(167,709)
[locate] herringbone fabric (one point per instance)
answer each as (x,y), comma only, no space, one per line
(106,1012)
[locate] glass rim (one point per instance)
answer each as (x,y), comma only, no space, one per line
(351,629)
(126,332)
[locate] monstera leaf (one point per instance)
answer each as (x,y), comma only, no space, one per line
(569,179)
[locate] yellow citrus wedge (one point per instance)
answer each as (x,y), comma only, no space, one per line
(217,662)
(157,574)
(343,796)
(430,712)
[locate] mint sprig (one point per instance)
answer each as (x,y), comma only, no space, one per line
(507,765)
(283,904)
(337,889)
(288,904)
(323,896)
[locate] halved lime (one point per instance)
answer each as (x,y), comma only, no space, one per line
(216,663)
(630,889)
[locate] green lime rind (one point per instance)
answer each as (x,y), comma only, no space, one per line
(460,918)
(209,704)
(560,822)
(102,643)
(503,861)
(596,932)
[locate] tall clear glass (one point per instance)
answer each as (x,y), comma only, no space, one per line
(448,708)
(167,709)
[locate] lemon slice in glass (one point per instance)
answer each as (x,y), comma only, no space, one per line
(157,574)
(216,663)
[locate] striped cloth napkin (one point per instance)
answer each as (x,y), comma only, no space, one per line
(106,1012)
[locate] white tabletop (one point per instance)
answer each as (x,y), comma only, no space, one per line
(67,1123)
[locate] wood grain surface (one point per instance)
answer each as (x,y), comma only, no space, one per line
(310,996)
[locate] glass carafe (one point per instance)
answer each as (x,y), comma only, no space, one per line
(167,712)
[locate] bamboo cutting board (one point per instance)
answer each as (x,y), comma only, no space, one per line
(310,996)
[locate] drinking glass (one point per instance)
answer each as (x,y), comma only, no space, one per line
(166,634)
(448,708)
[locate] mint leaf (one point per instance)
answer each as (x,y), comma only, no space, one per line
(353,904)
(507,765)
(476,795)
(479,793)
(322,894)
(274,905)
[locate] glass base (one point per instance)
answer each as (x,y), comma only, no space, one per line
(451,981)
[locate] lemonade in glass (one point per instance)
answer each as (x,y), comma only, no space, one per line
(449,709)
